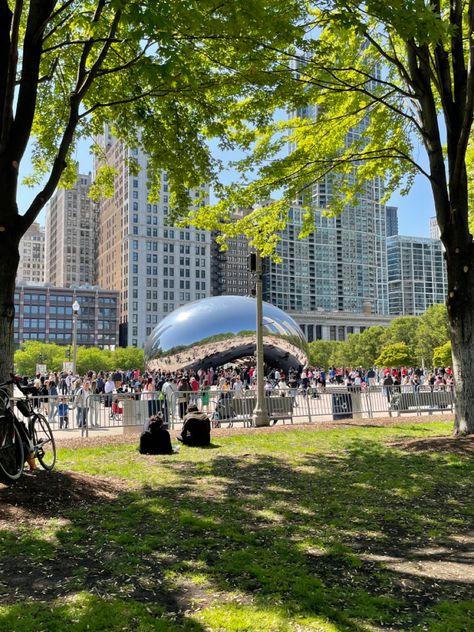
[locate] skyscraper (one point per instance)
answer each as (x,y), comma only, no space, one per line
(31,268)
(230,268)
(155,267)
(392,220)
(416,274)
(435,232)
(333,282)
(71,236)
(340,268)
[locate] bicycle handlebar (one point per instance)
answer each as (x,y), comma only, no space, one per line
(14,379)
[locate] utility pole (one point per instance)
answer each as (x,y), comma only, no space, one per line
(260,415)
(75,313)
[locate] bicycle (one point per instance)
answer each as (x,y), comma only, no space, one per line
(34,438)
(12,454)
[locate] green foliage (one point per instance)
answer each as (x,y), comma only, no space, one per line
(33,352)
(322,353)
(419,335)
(203,69)
(395,355)
(362,349)
(403,329)
(128,358)
(93,359)
(87,358)
(432,332)
(442,355)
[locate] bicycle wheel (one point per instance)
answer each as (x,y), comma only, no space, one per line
(43,440)
(12,454)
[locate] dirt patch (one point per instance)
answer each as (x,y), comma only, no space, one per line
(36,497)
(463,446)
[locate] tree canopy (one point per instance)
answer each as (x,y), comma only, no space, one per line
(397,355)
(369,84)
(423,340)
(164,75)
(52,356)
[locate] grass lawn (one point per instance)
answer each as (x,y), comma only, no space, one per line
(353,529)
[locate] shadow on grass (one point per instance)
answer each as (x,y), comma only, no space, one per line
(369,537)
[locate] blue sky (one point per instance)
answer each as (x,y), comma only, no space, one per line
(414,209)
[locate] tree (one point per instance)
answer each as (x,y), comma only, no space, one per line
(396,355)
(377,78)
(162,74)
(128,358)
(442,355)
(321,351)
(362,349)
(34,352)
(93,359)
(403,329)
(432,332)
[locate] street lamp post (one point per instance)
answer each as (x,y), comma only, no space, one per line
(75,313)
(260,415)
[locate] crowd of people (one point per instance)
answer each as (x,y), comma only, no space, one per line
(63,392)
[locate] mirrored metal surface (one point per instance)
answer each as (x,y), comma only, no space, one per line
(221,329)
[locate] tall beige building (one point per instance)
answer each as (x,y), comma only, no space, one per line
(31,268)
(156,267)
(71,236)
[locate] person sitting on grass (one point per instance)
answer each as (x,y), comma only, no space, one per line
(196,428)
(155,440)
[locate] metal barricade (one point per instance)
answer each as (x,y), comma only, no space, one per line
(128,411)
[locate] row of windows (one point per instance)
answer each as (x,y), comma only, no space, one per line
(64,311)
(54,298)
(82,339)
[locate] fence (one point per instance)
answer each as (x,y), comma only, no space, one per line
(126,411)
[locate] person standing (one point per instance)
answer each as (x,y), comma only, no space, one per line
(109,388)
(82,403)
(94,405)
(168,389)
(184,391)
(147,395)
(52,401)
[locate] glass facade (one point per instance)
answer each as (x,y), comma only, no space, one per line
(45,314)
(342,266)
(416,274)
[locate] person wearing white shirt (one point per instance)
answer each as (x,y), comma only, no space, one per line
(237,385)
(109,388)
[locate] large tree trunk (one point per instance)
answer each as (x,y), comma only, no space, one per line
(460,303)
(9,259)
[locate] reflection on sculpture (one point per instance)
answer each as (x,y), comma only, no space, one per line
(221,329)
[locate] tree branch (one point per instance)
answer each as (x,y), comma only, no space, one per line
(75,43)
(458,169)
(84,80)
(6,17)
(39,11)
(442,70)
(10,78)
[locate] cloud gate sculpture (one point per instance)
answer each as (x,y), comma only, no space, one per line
(221,329)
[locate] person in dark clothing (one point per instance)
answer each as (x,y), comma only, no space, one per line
(196,428)
(155,440)
(388,384)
